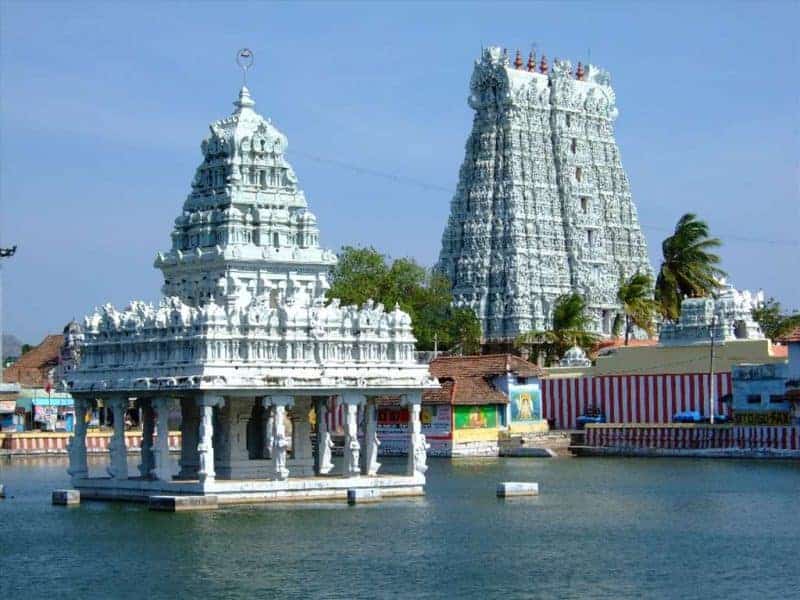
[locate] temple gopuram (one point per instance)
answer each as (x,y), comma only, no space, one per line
(543,206)
(246,347)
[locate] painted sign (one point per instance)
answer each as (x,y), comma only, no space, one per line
(435,420)
(393,429)
(475,417)
(526,403)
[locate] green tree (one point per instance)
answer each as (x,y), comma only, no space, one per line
(364,273)
(358,276)
(636,296)
(689,267)
(571,325)
(772,319)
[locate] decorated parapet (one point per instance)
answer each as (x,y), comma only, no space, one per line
(245,283)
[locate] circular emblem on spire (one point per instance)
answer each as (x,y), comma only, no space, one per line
(245,59)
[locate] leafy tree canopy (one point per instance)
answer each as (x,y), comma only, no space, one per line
(570,328)
(364,273)
(774,321)
(636,297)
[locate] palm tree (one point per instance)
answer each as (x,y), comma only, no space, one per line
(570,325)
(689,268)
(638,306)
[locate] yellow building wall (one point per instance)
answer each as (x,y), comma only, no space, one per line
(476,435)
(535,427)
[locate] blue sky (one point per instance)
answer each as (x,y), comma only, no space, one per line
(104,107)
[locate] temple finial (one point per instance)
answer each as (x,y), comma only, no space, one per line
(579,72)
(543,64)
(518,61)
(531,61)
(245,59)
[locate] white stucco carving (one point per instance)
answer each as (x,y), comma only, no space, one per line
(244,292)
(734,319)
(543,206)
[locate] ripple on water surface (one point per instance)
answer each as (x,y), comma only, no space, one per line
(601,528)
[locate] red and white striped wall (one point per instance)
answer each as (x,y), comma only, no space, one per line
(631,398)
(691,437)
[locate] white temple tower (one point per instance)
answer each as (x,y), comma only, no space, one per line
(543,206)
(243,342)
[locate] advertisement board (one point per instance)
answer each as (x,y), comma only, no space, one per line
(526,403)
(435,420)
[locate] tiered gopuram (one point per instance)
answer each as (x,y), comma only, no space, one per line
(543,206)
(243,341)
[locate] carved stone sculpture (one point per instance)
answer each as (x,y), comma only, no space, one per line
(543,206)
(279,443)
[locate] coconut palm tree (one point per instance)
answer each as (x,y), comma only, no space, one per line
(689,268)
(570,328)
(636,297)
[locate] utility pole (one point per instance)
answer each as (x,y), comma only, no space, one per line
(435,345)
(4,253)
(711,385)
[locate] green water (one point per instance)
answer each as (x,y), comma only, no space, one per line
(602,528)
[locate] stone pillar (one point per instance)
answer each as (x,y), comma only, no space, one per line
(417,446)
(279,441)
(302,463)
(164,465)
(232,457)
(371,441)
(205,446)
(190,421)
(118,467)
(352,449)
(78,467)
(266,428)
(147,462)
(324,441)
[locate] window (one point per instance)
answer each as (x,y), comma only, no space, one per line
(777,399)
(574,145)
(522,380)
(578,173)
(276,240)
(589,236)
(754,399)
(584,204)
(569,120)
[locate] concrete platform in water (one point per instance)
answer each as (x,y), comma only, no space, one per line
(250,491)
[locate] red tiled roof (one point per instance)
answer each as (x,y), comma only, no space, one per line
(467,379)
(792,336)
(485,365)
(33,367)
